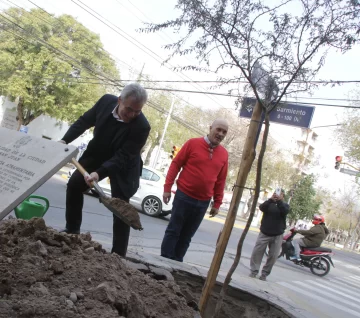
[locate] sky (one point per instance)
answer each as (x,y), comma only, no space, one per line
(133,51)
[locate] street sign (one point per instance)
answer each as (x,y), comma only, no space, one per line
(350,172)
(285,113)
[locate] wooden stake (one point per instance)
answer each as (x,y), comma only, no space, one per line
(247,159)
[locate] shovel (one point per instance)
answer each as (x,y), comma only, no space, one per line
(123,210)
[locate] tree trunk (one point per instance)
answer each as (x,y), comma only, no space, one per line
(148,154)
(152,147)
(292,222)
(28,118)
(356,243)
(251,199)
(20,112)
(24,116)
(248,223)
(247,159)
(348,237)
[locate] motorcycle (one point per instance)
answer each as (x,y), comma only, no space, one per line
(316,258)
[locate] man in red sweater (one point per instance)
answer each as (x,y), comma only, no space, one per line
(204,164)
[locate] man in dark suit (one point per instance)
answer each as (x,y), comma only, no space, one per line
(120,132)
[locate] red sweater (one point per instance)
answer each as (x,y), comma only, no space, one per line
(201,177)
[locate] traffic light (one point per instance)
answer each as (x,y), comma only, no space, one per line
(338,160)
(174,152)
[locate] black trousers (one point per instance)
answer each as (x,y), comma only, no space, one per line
(75,200)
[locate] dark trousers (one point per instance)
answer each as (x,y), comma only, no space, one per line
(75,200)
(186,216)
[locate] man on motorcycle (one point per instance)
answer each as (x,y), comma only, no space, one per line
(312,237)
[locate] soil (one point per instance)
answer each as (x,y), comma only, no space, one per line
(124,211)
(236,304)
(44,273)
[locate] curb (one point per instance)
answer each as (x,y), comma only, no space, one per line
(333,247)
(274,300)
(237,226)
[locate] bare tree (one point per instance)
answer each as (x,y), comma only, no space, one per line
(275,50)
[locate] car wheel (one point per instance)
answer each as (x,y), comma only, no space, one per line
(151,206)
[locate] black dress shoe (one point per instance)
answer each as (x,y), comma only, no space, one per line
(70,232)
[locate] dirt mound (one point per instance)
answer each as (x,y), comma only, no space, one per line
(44,273)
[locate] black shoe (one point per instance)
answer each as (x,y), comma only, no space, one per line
(70,232)
(262,277)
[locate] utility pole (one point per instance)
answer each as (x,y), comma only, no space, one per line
(164,133)
(247,159)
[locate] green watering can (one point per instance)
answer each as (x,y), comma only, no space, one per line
(30,209)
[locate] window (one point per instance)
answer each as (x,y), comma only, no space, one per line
(146,174)
(155,177)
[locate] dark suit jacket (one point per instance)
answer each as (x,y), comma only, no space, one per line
(116,145)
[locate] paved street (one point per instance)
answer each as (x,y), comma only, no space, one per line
(336,295)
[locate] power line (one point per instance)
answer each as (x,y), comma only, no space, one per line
(228,95)
(184,123)
(152,104)
(41,42)
(324,98)
(154,55)
(187,91)
(53,48)
(235,81)
(119,60)
(83,33)
(191,81)
(207,92)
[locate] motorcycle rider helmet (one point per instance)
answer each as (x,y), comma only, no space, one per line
(318,219)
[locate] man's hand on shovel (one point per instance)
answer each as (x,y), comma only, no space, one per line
(89,178)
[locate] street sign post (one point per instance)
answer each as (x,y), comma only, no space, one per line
(350,172)
(284,113)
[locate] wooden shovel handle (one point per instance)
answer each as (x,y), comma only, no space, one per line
(79,167)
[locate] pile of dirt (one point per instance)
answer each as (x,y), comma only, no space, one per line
(44,273)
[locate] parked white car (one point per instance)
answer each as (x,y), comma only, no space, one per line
(148,197)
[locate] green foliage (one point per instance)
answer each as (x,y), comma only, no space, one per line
(47,81)
(304,203)
(349,135)
(276,170)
